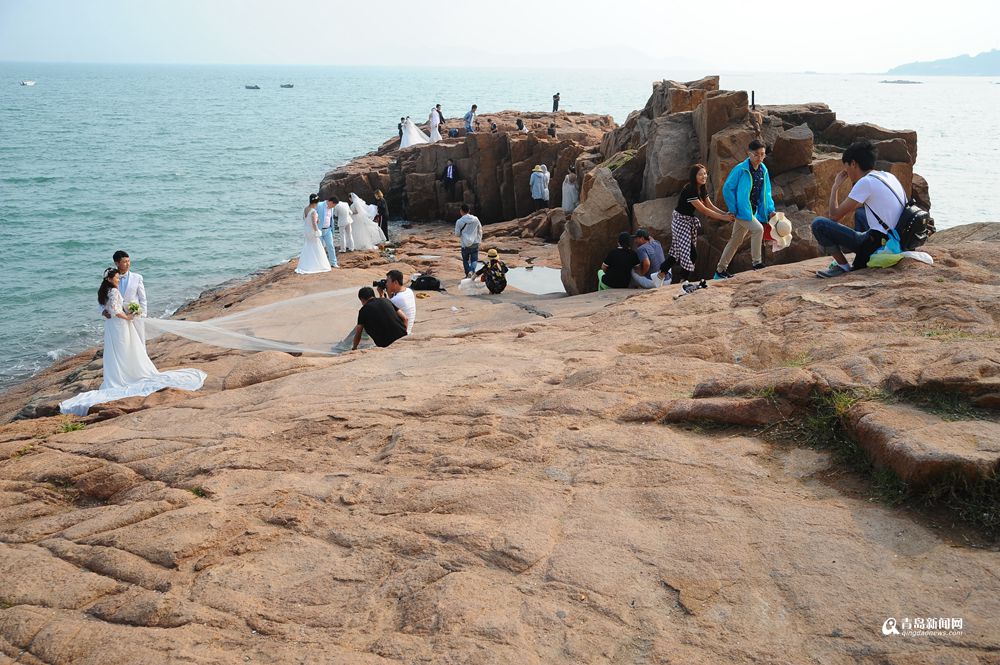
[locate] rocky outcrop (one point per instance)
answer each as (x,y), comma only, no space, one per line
(696,122)
(591,231)
(493,169)
(507,485)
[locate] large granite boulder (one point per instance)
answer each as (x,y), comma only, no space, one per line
(792,149)
(628,169)
(818,116)
(592,231)
(727,149)
(671,151)
(843,134)
(920,192)
(718,111)
(796,188)
(655,216)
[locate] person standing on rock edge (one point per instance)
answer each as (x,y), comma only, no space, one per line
(382,218)
(555,103)
(470,230)
(400,127)
(470,119)
(748,196)
(878,192)
(324,209)
(684,224)
(539,194)
(449,177)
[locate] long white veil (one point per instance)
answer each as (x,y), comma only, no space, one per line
(367,234)
(412,135)
(320,323)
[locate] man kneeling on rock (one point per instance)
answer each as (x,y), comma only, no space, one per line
(876,194)
(380,318)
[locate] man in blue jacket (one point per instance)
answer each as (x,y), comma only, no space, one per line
(748,196)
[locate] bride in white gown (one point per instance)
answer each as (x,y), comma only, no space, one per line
(313,257)
(367,234)
(412,135)
(128,371)
(434,121)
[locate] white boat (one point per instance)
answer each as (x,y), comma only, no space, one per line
(27,82)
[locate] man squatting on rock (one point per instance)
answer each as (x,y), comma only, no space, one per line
(878,192)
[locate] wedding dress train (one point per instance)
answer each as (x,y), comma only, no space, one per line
(128,371)
(367,234)
(412,135)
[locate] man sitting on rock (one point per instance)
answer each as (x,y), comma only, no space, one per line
(651,257)
(380,318)
(616,271)
(876,192)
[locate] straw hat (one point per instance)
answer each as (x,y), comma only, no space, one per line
(493,254)
(779,230)
(536,169)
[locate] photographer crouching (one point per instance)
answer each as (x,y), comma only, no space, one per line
(401,296)
(385,319)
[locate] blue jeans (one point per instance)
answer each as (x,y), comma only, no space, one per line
(470,258)
(327,240)
(832,236)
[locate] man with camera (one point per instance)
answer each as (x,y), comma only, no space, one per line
(383,321)
(401,296)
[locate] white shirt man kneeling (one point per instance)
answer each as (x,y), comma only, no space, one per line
(401,296)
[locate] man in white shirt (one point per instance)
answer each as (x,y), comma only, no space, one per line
(325,211)
(133,290)
(470,230)
(876,201)
(401,296)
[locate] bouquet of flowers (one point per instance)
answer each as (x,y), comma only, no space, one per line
(133,308)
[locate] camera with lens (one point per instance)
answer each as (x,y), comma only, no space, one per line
(380,284)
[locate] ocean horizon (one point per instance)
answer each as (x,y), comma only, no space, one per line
(203,181)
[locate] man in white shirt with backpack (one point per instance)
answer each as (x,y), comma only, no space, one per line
(876,201)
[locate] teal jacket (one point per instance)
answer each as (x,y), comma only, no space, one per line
(736,193)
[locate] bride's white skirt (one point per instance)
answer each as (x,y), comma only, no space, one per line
(313,257)
(128,371)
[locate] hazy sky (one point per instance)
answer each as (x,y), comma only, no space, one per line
(724,35)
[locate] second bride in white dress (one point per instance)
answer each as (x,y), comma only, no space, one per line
(128,371)
(313,257)
(367,234)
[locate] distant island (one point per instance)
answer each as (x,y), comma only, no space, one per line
(984,64)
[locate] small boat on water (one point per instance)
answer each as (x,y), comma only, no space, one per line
(252,87)
(287,85)
(27,82)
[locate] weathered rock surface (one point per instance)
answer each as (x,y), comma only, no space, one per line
(921,448)
(493,169)
(591,231)
(669,155)
(497,488)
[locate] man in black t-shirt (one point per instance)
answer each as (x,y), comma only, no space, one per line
(380,318)
(617,267)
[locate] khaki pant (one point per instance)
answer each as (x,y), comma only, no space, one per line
(741,227)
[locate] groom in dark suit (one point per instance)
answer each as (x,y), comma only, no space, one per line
(450,176)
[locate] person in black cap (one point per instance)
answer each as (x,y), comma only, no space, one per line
(616,271)
(651,257)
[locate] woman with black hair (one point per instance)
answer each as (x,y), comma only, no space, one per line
(128,371)
(684,225)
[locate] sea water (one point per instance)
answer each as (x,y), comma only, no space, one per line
(203,181)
